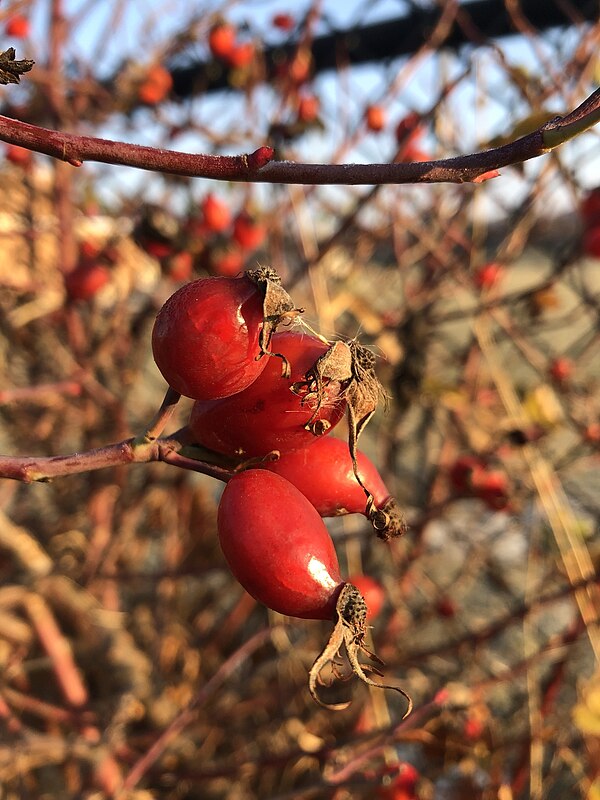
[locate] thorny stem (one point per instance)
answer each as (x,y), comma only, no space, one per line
(76,149)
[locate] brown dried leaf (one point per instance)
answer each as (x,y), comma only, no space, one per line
(10,69)
(278,307)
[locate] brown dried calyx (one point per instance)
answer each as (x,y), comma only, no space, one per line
(353,366)
(348,636)
(278,308)
(388,520)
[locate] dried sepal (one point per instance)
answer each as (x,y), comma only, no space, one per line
(388,521)
(347,638)
(11,69)
(353,366)
(278,308)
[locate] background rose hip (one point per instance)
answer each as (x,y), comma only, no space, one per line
(221,40)
(376,118)
(277,546)
(86,280)
(268,415)
(205,338)
(216,213)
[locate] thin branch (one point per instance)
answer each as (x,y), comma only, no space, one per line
(257,168)
(130,451)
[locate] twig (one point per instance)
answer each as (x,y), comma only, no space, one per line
(130,451)
(188,714)
(256,167)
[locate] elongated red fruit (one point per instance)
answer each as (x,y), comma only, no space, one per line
(323,472)
(277,546)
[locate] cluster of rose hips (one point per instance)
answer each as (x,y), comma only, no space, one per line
(225,47)
(265,403)
(213,239)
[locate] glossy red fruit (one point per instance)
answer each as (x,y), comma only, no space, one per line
(248,232)
(17,26)
(267,415)
(216,213)
(277,546)
(86,280)
(221,40)
(323,473)
(373,593)
(206,337)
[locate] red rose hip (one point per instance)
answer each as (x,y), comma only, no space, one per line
(268,415)
(205,339)
(277,546)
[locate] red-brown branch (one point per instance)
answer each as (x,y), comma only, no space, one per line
(76,149)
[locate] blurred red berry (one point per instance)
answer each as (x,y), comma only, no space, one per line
(473,728)
(216,213)
(376,118)
(402,786)
(19,156)
(409,129)
(180,266)
(561,369)
(464,473)
(446,607)
(227,261)
(591,242)
(17,26)
(156,85)
(284,22)
(492,487)
(86,280)
(592,433)
(241,55)
(222,40)
(308,108)
(412,152)
(590,207)
(248,232)
(488,275)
